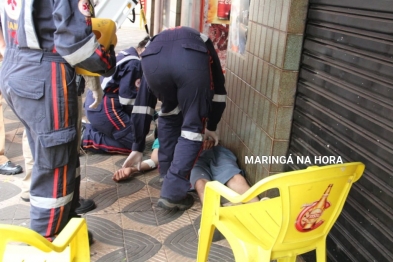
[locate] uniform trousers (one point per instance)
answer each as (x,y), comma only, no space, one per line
(110,129)
(176,66)
(40,88)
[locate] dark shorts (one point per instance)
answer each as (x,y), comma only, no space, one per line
(216,164)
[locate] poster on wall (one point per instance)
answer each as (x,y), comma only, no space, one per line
(217,26)
(219,12)
(239,25)
(218,33)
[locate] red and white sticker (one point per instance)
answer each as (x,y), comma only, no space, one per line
(13,8)
(84,7)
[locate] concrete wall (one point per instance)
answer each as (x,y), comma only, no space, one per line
(261,85)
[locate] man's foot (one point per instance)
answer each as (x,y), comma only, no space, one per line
(86,205)
(124,173)
(25,196)
(183,204)
(10,168)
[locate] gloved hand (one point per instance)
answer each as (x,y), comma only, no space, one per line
(135,158)
(211,135)
(97,95)
(112,60)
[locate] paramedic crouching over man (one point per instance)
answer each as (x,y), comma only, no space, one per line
(181,69)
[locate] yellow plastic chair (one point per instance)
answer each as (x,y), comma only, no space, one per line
(280,228)
(72,244)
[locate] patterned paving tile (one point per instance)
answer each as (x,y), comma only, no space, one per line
(185,242)
(143,211)
(138,246)
(15,212)
(8,190)
(97,174)
(92,159)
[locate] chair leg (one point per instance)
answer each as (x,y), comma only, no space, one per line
(321,252)
(2,249)
(205,241)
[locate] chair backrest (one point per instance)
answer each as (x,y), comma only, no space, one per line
(312,200)
(70,245)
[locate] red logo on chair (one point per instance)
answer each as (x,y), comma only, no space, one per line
(309,218)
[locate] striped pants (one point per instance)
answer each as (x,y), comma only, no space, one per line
(40,88)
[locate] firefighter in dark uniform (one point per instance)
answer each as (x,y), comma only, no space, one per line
(110,130)
(45,40)
(181,69)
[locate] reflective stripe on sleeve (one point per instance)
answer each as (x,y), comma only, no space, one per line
(204,37)
(126,101)
(143,110)
(31,37)
(192,136)
(175,111)
(219,98)
(82,53)
(125,59)
(48,203)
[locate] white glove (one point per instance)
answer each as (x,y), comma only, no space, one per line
(211,135)
(97,95)
(135,158)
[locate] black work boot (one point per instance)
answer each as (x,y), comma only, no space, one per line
(85,205)
(9,168)
(182,204)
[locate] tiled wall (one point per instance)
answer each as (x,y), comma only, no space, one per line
(261,85)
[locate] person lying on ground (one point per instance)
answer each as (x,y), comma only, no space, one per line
(215,163)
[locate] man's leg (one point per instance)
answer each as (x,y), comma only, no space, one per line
(29,162)
(218,164)
(239,184)
(200,188)
(6,166)
(82,205)
(3,158)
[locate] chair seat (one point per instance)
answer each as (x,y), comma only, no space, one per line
(253,223)
(19,253)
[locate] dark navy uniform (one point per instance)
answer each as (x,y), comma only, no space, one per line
(110,128)
(45,39)
(181,69)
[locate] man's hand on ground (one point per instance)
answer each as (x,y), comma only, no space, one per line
(124,173)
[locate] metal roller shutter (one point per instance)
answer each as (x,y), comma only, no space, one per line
(344,107)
